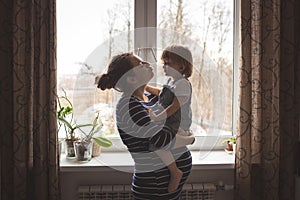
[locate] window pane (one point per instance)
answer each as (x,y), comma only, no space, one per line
(206,27)
(88,33)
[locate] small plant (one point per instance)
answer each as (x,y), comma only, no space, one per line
(84,148)
(231,142)
(84,144)
(72,128)
(66,119)
(96,126)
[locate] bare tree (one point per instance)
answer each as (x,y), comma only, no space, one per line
(221,27)
(118,21)
(111,25)
(128,22)
(211,27)
(175,19)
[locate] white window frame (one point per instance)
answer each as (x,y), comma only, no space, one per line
(145,15)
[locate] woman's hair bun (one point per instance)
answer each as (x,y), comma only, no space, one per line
(104,82)
(118,66)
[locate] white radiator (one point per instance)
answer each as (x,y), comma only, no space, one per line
(199,191)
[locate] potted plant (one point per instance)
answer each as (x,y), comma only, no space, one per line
(230,144)
(85,147)
(70,140)
(66,120)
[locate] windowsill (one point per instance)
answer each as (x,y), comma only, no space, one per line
(122,161)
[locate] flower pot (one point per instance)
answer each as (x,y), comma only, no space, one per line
(234,148)
(69,148)
(96,150)
(83,150)
(229,146)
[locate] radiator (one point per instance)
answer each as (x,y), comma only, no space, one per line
(199,191)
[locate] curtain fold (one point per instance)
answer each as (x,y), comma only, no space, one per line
(29,153)
(269,100)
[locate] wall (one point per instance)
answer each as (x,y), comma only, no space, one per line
(70,180)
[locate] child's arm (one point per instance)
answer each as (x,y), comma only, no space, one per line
(170,110)
(152,90)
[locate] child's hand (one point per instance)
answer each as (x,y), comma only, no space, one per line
(152,115)
(152,90)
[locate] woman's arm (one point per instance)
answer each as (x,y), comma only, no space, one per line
(139,124)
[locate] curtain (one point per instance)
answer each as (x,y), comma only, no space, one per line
(269,100)
(29,153)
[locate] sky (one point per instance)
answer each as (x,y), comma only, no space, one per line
(79,30)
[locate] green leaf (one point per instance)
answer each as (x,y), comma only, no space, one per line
(66,111)
(66,123)
(97,130)
(232,140)
(59,112)
(101,141)
(82,125)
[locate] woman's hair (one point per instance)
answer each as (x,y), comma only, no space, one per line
(181,55)
(118,67)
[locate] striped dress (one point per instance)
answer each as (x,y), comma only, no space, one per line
(142,136)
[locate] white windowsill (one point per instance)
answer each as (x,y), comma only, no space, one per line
(108,161)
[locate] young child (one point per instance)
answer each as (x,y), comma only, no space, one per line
(174,104)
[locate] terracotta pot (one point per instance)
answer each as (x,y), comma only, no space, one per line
(96,150)
(229,146)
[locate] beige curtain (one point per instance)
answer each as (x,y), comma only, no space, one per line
(29,156)
(269,100)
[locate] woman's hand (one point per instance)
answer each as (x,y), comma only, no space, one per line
(152,115)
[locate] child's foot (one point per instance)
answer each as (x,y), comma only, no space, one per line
(175,179)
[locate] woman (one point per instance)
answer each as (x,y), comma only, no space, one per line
(129,74)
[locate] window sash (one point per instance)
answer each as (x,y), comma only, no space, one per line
(145,16)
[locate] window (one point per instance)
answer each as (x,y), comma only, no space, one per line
(89,33)
(206,27)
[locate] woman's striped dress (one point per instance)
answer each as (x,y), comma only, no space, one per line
(142,136)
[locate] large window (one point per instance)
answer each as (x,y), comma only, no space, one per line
(90,32)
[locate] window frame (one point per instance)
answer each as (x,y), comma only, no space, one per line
(145,15)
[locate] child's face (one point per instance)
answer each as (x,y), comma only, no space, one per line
(172,69)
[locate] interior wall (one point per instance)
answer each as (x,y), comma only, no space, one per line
(70,181)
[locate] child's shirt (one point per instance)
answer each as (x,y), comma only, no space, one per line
(180,88)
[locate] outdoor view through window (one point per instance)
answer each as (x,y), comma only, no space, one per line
(90,32)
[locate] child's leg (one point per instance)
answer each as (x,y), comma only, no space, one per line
(175,172)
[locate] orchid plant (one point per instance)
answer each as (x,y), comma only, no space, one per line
(96,127)
(66,119)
